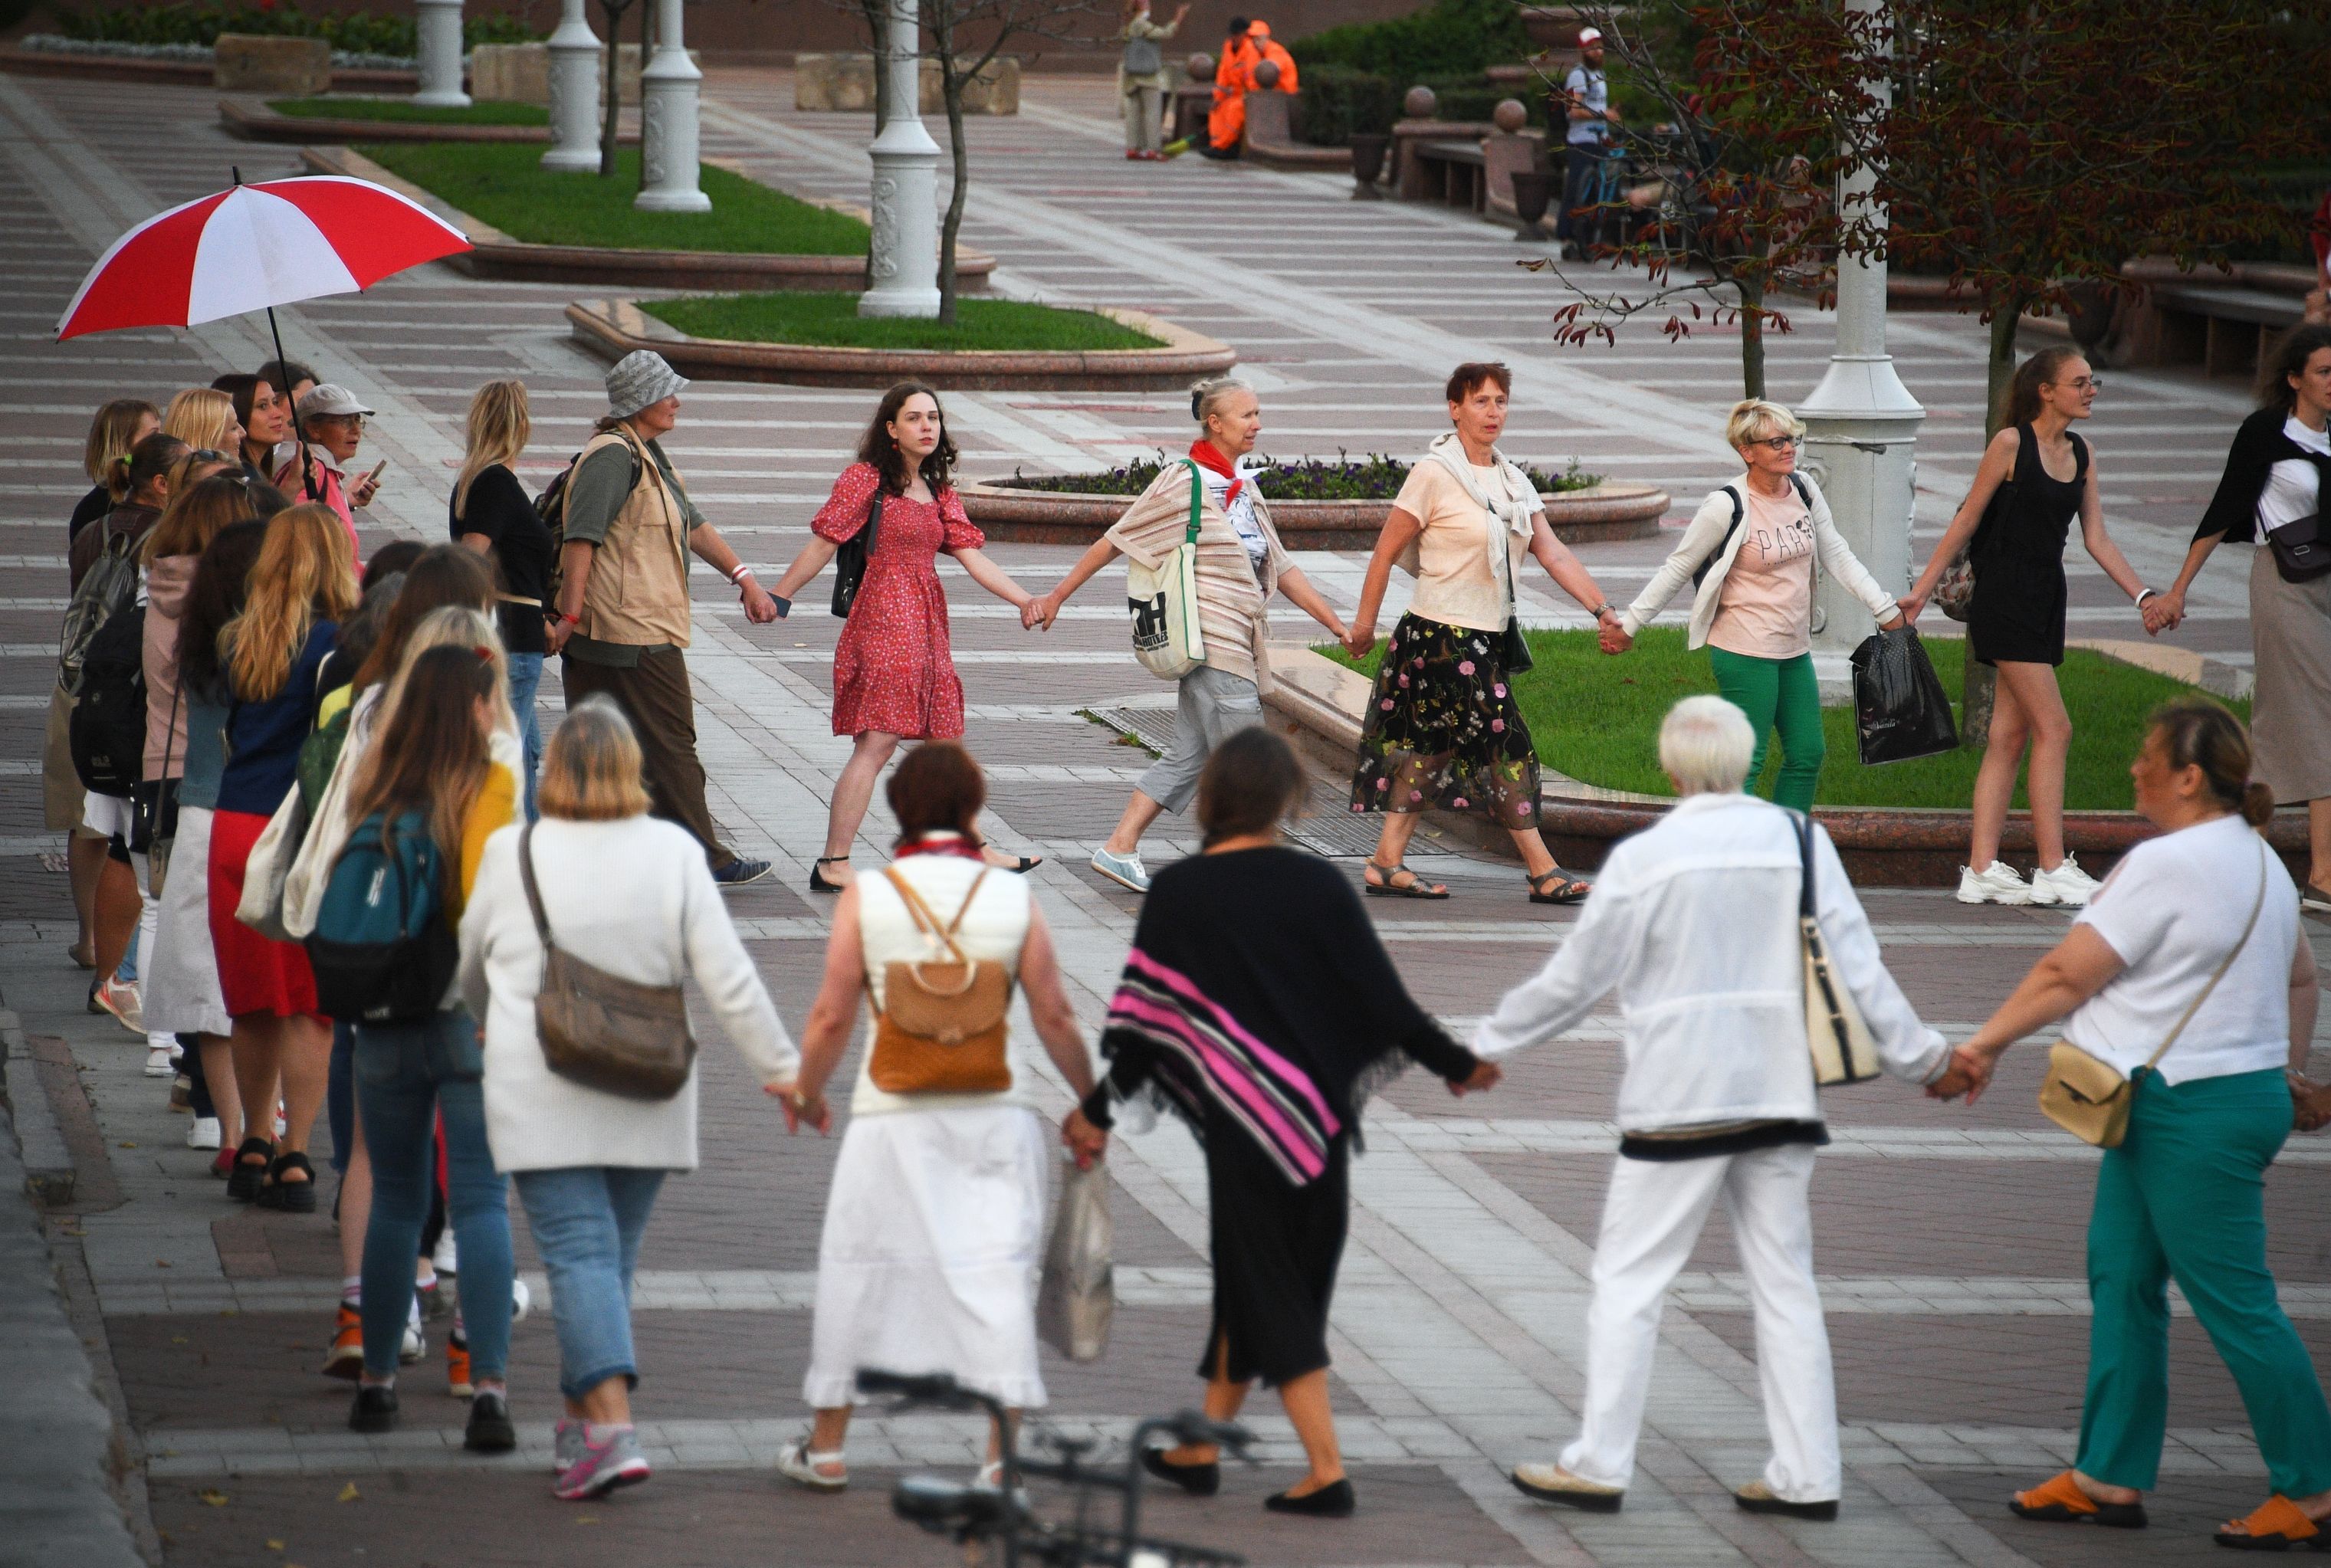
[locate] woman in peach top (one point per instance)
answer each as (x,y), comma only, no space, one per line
(1750,553)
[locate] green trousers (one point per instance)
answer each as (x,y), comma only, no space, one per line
(1777,694)
(2183,1198)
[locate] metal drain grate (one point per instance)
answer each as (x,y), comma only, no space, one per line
(1154,728)
(1328,827)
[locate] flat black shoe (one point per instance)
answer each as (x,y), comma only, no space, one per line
(817,882)
(243,1184)
(290,1197)
(490,1430)
(738,872)
(1198,1481)
(1757,1497)
(374,1409)
(1332,1501)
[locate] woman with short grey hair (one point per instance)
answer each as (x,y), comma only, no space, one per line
(1693,925)
(1240,565)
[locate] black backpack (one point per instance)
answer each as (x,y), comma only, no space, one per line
(1700,572)
(550,506)
(108,727)
(109,584)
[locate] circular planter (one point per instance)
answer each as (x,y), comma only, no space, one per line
(1604,511)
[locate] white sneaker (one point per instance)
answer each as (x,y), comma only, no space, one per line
(205,1133)
(158,1063)
(521,1301)
(446,1258)
(2067,885)
(415,1345)
(1125,870)
(1996,883)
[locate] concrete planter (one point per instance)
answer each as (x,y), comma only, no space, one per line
(250,119)
(615,328)
(277,67)
(844,84)
(1883,847)
(16,61)
(1606,512)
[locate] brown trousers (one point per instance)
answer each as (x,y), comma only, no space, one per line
(655,695)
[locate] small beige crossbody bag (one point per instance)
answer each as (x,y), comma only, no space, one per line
(2090,1098)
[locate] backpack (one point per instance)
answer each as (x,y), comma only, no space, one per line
(110,583)
(550,506)
(382,950)
(106,731)
(1700,572)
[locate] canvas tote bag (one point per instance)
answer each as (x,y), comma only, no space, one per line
(1835,1030)
(1164,600)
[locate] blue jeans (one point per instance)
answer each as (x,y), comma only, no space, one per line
(586,1221)
(525,680)
(340,1095)
(406,1076)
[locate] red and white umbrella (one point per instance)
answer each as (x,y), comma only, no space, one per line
(255,247)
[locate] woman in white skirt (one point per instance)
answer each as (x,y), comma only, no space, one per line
(934,1227)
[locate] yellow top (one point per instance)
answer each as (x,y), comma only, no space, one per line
(495,808)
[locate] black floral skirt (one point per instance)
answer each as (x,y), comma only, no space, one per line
(1444,729)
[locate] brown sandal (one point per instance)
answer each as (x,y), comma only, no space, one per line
(2276,1524)
(1415,887)
(1567,889)
(2058,1500)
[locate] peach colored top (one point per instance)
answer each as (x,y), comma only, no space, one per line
(1767,604)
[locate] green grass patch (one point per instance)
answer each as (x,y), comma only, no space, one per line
(505,184)
(1597,719)
(403,111)
(831,320)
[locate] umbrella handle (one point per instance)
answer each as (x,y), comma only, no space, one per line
(298,435)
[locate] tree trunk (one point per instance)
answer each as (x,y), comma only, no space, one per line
(1752,336)
(877,27)
(952,87)
(1979,681)
(613,110)
(647,41)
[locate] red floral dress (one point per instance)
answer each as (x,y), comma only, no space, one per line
(892,671)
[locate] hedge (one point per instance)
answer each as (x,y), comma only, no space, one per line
(1338,101)
(1451,37)
(357,33)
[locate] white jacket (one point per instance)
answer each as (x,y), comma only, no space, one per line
(1693,921)
(634,898)
(1705,532)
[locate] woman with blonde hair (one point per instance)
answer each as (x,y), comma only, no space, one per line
(1143,77)
(492,513)
(204,418)
(302,585)
(118,426)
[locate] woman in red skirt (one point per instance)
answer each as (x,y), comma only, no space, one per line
(271,656)
(893,679)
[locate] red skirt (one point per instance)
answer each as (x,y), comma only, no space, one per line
(255,974)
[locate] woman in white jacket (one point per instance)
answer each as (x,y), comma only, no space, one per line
(629,894)
(1693,923)
(1749,554)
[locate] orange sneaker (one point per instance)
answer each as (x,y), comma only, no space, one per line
(345,1358)
(457,1367)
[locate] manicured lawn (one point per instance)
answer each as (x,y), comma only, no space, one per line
(1597,719)
(831,320)
(504,184)
(405,112)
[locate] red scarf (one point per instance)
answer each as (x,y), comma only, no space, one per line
(1207,455)
(941,843)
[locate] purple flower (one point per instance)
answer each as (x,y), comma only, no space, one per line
(1496,726)
(1523,807)
(1416,663)
(1464,667)
(1416,795)
(1498,689)
(1384,784)
(1404,681)
(1459,802)
(1386,705)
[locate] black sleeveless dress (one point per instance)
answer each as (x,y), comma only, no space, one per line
(2018,555)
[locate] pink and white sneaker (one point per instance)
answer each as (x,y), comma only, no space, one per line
(607,1457)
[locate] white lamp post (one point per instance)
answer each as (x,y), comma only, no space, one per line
(439,26)
(668,128)
(1862,439)
(574,94)
(903,269)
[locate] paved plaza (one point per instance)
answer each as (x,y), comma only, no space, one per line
(1949,1239)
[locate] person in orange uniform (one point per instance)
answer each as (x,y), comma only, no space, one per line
(1233,79)
(1271,48)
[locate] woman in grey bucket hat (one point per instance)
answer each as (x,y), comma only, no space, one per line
(638,378)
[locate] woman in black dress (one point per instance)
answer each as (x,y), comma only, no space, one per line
(492,513)
(1259,1006)
(2035,477)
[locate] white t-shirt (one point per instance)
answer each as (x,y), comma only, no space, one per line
(1240,513)
(2292,485)
(2171,909)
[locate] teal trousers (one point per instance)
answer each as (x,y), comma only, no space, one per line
(1777,694)
(2183,1198)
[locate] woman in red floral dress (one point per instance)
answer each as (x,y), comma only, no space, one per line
(893,678)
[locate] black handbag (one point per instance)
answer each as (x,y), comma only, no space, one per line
(849,558)
(1517,650)
(2301,552)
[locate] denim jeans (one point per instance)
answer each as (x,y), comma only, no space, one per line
(586,1221)
(407,1075)
(340,1095)
(525,680)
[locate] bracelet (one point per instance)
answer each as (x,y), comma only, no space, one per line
(2145,593)
(566,619)
(739,573)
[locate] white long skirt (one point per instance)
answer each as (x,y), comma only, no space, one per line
(934,1233)
(181,990)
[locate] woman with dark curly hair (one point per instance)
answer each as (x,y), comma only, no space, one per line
(893,675)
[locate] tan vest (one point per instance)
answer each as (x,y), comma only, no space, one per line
(637,591)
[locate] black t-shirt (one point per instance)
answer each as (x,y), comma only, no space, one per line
(91,508)
(500,510)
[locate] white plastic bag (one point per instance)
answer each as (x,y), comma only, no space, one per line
(1077,1296)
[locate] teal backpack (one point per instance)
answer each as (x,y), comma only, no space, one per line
(382,950)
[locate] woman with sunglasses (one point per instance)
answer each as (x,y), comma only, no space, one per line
(1750,550)
(2036,477)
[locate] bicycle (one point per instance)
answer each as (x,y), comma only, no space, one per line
(975,1516)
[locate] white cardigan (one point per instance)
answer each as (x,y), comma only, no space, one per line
(1694,923)
(1705,532)
(634,898)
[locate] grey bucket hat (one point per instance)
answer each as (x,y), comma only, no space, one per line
(638,379)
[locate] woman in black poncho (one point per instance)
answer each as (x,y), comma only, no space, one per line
(1259,1006)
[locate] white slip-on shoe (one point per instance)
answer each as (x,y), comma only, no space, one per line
(2067,885)
(1125,870)
(1996,883)
(204,1133)
(803,1467)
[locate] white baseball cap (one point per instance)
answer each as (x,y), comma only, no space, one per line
(1589,35)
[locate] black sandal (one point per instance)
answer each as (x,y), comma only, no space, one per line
(817,882)
(1569,889)
(245,1181)
(1415,887)
(290,1197)
(1022,864)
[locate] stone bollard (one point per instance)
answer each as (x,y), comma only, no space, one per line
(271,64)
(1509,149)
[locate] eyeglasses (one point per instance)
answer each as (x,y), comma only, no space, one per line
(1780,443)
(2082,384)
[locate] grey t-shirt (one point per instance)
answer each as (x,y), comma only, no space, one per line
(1590,88)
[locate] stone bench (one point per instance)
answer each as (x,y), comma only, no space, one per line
(1456,173)
(1270,136)
(844,84)
(2229,324)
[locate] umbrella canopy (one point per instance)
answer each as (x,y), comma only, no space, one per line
(253,247)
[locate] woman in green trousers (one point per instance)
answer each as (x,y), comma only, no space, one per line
(2190,974)
(1748,554)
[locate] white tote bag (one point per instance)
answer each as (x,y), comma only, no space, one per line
(1835,1030)
(264,875)
(1164,600)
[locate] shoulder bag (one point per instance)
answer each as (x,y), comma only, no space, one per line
(264,873)
(850,557)
(1835,1031)
(941,1030)
(599,1029)
(2090,1098)
(1164,600)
